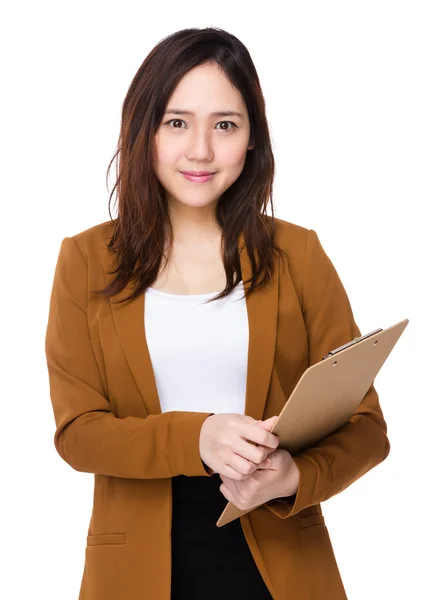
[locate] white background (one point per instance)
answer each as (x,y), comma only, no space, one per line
(355,99)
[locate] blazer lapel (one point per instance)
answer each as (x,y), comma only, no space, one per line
(262,310)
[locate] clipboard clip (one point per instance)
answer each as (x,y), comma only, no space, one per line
(354,341)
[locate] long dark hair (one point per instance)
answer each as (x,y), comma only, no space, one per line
(140,228)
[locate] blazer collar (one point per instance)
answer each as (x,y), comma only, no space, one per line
(262,310)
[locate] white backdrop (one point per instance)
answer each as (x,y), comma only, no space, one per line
(355,98)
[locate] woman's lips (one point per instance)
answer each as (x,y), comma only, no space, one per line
(198,178)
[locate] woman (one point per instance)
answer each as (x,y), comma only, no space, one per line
(177,332)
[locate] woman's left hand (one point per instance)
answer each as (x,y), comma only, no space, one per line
(278,480)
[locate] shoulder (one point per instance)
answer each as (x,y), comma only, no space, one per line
(92,242)
(300,243)
(95,234)
(308,264)
(290,237)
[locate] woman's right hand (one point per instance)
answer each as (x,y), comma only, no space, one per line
(229,440)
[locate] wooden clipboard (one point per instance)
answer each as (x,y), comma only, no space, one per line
(328,394)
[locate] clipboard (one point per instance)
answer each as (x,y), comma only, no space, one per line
(328,394)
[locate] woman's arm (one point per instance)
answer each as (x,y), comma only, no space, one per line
(88,436)
(355,448)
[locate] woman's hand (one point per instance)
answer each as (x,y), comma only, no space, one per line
(235,445)
(277,480)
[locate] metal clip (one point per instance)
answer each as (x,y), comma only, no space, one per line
(354,341)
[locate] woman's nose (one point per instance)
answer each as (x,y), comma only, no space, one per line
(199,146)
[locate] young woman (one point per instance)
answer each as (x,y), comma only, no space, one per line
(176,333)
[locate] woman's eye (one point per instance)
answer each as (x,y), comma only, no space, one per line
(175,121)
(228,122)
(181,121)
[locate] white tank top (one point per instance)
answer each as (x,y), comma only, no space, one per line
(198,351)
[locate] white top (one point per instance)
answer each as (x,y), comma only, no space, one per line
(198,351)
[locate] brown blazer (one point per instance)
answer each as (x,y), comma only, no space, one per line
(109,420)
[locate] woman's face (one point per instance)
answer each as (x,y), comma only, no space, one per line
(191,138)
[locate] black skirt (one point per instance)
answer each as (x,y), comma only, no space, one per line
(209,561)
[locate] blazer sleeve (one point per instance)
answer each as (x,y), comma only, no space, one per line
(352,450)
(88,436)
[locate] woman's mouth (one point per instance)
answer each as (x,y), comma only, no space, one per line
(198,178)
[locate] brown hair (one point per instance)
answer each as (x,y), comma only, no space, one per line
(139,233)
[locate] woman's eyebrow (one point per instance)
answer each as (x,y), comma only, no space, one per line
(220,113)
